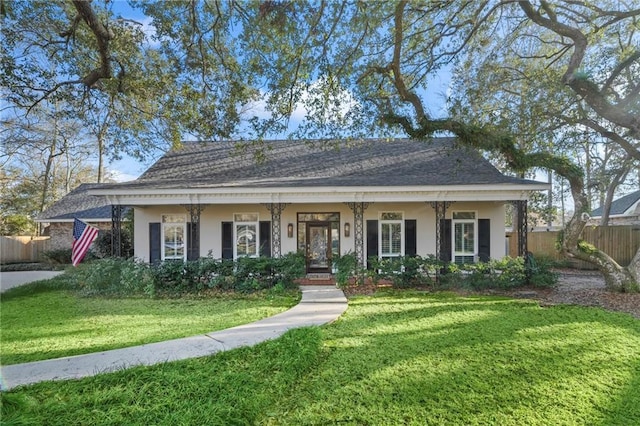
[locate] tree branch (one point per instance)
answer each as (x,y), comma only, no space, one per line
(577,80)
(103,37)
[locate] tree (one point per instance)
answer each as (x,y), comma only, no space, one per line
(357,67)
(43,159)
(395,56)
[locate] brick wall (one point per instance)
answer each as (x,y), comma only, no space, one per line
(62,233)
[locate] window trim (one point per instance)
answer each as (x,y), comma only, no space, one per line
(164,224)
(381,222)
(473,221)
(256,224)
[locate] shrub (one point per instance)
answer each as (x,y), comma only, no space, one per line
(288,268)
(113,277)
(102,244)
(253,274)
(542,274)
(346,268)
(417,271)
(31,266)
(57,257)
(120,277)
(407,271)
(177,276)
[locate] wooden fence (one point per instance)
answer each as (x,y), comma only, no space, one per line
(619,242)
(16,249)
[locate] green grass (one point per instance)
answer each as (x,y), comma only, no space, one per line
(42,321)
(395,358)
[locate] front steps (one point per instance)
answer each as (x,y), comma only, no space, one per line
(316,279)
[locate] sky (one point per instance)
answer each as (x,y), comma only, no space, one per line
(129,168)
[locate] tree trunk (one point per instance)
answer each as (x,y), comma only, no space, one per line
(100,159)
(616,277)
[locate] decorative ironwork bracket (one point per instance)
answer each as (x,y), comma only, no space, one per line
(116,230)
(194,216)
(522,226)
(358,209)
(441,208)
(276,210)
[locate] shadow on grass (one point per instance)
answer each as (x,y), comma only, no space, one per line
(475,361)
(232,388)
(404,360)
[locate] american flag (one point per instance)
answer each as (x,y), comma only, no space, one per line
(83,236)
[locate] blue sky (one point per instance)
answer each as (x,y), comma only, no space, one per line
(129,168)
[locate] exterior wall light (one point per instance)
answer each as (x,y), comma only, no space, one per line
(347,229)
(290,230)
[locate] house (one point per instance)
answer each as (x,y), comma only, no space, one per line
(78,203)
(624,211)
(372,197)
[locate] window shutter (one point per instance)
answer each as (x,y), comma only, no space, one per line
(445,240)
(227,240)
(193,243)
(265,239)
(372,239)
(154,243)
(410,237)
(484,239)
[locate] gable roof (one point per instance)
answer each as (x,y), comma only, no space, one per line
(619,206)
(367,170)
(287,163)
(78,203)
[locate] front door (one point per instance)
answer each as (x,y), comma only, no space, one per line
(319,247)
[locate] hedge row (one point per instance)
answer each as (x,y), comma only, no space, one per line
(130,277)
(416,271)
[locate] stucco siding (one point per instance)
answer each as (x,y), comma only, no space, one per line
(213,215)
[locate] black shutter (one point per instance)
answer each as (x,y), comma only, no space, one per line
(154,243)
(445,240)
(227,240)
(484,239)
(372,239)
(193,242)
(410,237)
(265,239)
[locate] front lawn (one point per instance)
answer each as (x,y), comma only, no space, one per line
(43,321)
(394,358)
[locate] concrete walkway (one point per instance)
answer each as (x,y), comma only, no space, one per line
(319,305)
(13,279)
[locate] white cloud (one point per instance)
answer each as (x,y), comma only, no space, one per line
(120,176)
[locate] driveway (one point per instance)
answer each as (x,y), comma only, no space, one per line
(13,279)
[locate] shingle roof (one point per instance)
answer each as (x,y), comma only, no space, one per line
(620,205)
(78,203)
(369,162)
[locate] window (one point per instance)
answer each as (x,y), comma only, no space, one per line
(174,231)
(246,235)
(391,241)
(465,243)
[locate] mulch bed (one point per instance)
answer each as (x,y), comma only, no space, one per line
(587,288)
(574,287)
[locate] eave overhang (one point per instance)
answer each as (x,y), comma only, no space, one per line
(253,195)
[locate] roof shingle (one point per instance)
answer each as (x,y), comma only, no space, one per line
(287,163)
(620,205)
(78,203)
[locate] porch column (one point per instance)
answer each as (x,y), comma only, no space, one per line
(522,226)
(441,209)
(276,210)
(116,230)
(194,231)
(358,209)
